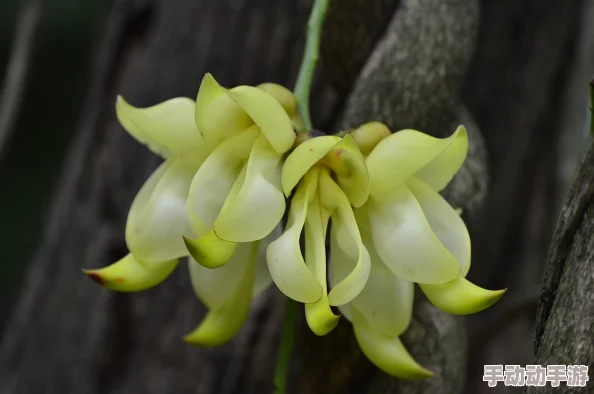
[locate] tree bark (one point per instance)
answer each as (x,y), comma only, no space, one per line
(527,89)
(68,336)
(565,318)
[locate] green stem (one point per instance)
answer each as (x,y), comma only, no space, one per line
(310,59)
(286,348)
(302,91)
(592,107)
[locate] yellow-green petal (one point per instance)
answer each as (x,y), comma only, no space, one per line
(156,224)
(259,205)
(409,152)
(214,286)
(285,261)
(287,99)
(143,196)
(268,114)
(209,250)
(442,169)
(262,278)
(461,297)
(167,129)
(405,241)
(217,116)
(215,178)
(304,157)
(369,135)
(445,222)
(347,162)
(320,318)
(130,274)
(386,353)
(386,302)
(221,324)
(348,238)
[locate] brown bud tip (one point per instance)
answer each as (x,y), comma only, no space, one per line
(95,277)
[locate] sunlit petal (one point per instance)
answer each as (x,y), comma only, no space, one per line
(267,113)
(224,321)
(155,225)
(461,297)
(260,204)
(217,116)
(215,178)
(284,257)
(129,274)
(405,242)
(346,231)
(167,128)
(304,157)
(387,353)
(408,152)
(320,318)
(444,221)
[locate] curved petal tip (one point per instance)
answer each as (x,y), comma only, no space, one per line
(320,318)
(461,297)
(209,250)
(131,275)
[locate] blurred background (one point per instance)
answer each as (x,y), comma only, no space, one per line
(68,172)
(50,95)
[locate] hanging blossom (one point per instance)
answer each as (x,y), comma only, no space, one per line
(412,235)
(221,171)
(329,176)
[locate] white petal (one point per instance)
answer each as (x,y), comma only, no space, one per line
(284,257)
(386,302)
(213,286)
(408,152)
(155,226)
(262,278)
(215,178)
(405,242)
(319,315)
(444,221)
(304,157)
(168,128)
(259,206)
(347,235)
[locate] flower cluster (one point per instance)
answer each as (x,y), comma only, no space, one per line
(232,157)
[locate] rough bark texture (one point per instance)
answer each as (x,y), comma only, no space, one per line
(565,318)
(67,335)
(420,61)
(527,89)
(351,30)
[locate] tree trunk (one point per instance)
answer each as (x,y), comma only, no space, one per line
(68,336)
